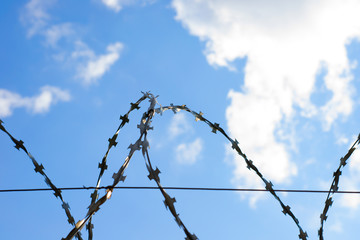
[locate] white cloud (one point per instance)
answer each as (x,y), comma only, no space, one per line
(118,5)
(342,140)
(91,67)
(55,32)
(351,182)
(179,125)
(96,66)
(35,15)
(38,104)
(82,51)
(189,153)
(36,18)
(337,227)
(286,44)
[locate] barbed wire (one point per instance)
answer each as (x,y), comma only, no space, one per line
(39,168)
(143,144)
(335,187)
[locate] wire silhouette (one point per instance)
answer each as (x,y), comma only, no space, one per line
(142,144)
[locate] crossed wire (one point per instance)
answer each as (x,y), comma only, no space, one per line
(143,144)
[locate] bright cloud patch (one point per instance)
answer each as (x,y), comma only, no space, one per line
(54,33)
(36,18)
(35,15)
(337,227)
(38,104)
(352,182)
(90,67)
(96,66)
(189,153)
(286,44)
(178,125)
(117,5)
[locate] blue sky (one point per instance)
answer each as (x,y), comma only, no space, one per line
(281,77)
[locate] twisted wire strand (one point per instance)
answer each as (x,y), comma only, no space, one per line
(154,175)
(119,176)
(103,166)
(334,187)
(39,168)
(235,145)
(144,126)
(93,208)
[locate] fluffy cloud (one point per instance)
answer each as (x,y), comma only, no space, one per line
(90,67)
(38,104)
(55,32)
(35,15)
(36,18)
(189,153)
(351,182)
(95,67)
(337,227)
(287,44)
(117,5)
(38,22)
(179,125)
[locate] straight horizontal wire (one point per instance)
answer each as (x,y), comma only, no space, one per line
(178,188)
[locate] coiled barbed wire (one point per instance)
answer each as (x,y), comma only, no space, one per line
(143,144)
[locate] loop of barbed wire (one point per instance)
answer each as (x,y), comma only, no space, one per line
(39,168)
(335,187)
(143,144)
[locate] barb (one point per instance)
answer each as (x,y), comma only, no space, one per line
(39,168)
(103,166)
(235,145)
(335,187)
